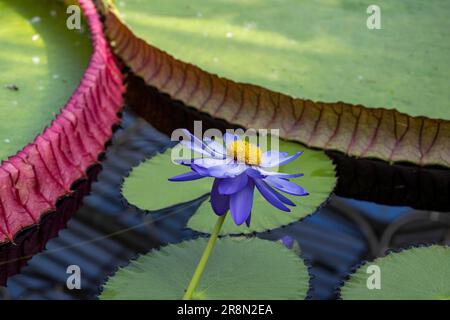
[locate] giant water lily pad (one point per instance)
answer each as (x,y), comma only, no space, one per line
(41,62)
(267,52)
(417,274)
(237,269)
(57,108)
(322,50)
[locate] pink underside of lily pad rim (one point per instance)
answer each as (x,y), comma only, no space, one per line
(33,180)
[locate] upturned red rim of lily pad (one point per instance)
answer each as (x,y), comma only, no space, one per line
(33,180)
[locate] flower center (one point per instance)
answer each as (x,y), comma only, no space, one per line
(244,151)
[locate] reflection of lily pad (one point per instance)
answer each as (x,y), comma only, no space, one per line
(237,269)
(147,187)
(417,274)
(43,60)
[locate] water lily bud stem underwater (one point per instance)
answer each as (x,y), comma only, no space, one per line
(237,168)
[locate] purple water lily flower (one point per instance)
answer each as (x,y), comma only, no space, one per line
(238,167)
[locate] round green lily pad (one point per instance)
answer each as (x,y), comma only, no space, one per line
(148,188)
(41,63)
(237,269)
(416,274)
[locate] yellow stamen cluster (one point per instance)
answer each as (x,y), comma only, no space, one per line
(243,151)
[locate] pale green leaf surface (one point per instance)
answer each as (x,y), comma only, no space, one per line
(148,188)
(44,59)
(237,269)
(321,50)
(416,274)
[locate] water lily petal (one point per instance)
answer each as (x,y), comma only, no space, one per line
(272,157)
(229,138)
(282,198)
(207,147)
(241,203)
(193,143)
(219,203)
(269,195)
(210,162)
(188,176)
(247,222)
(217,150)
(259,173)
(230,170)
(287,241)
(201,170)
(286,186)
(232,185)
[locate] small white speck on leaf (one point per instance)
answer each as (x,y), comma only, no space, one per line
(53,13)
(250,25)
(35,37)
(229,34)
(55,76)
(7,140)
(215,59)
(35,19)
(36,60)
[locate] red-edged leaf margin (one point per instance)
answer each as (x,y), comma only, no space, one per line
(43,172)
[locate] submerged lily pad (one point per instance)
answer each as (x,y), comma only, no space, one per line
(237,269)
(417,274)
(41,63)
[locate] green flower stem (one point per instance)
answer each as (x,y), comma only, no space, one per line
(204,259)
